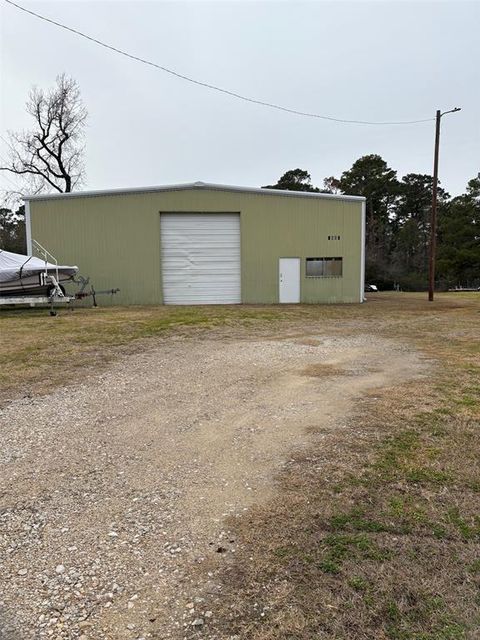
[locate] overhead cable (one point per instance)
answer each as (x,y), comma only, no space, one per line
(207,85)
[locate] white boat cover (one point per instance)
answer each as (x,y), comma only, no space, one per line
(15,266)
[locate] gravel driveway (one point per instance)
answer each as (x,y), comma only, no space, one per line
(115,491)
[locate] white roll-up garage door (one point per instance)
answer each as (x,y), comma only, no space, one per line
(201,258)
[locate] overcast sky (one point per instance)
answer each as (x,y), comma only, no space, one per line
(354,60)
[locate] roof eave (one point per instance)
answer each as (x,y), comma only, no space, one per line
(205,186)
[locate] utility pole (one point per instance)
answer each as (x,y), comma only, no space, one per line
(433,218)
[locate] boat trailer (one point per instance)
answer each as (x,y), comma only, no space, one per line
(82,293)
(57,295)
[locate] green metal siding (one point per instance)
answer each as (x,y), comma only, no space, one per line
(115,239)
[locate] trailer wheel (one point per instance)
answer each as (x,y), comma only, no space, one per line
(53,313)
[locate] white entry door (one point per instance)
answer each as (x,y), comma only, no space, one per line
(289,280)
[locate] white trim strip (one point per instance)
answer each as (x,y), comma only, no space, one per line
(28,228)
(362,253)
(193,186)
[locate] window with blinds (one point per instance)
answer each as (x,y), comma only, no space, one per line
(324,267)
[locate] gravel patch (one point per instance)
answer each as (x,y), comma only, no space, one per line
(116,489)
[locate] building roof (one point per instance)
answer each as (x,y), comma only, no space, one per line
(201,186)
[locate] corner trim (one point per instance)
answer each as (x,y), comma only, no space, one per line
(362,253)
(28,228)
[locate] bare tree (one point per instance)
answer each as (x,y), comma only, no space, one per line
(50,156)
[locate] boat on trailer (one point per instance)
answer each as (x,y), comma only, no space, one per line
(31,276)
(32,280)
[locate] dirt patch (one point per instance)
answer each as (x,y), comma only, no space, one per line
(325,369)
(117,488)
(309,342)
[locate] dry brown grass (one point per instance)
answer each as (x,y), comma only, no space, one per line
(375,534)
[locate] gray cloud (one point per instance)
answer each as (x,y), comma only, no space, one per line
(356,60)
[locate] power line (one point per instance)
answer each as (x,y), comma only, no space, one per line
(233,94)
(7,143)
(5,177)
(3,174)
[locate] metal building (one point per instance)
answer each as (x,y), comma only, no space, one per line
(205,243)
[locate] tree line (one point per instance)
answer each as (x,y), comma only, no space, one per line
(398,223)
(49,157)
(12,230)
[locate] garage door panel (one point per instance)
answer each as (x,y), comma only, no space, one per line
(201,258)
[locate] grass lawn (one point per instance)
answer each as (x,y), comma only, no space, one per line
(375,534)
